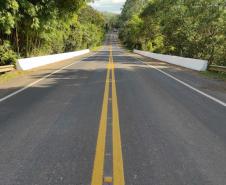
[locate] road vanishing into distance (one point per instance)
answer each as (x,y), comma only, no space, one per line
(112,118)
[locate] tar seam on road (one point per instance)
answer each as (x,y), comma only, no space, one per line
(98,168)
(185,84)
(41,79)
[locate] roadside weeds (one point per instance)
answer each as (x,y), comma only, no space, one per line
(214,75)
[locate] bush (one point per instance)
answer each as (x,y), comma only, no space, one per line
(7,55)
(194,29)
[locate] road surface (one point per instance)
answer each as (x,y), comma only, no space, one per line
(113,119)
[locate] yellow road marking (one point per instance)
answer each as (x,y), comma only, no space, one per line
(118,171)
(98,169)
(108,180)
(110,65)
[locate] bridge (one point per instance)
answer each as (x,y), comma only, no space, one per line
(112,117)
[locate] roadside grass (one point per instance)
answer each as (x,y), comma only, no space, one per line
(97,48)
(214,75)
(4,77)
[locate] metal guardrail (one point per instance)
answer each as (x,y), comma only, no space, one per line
(6,68)
(217,68)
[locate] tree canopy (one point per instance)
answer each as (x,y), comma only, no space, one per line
(37,27)
(191,28)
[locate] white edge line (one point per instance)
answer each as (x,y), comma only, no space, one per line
(185,84)
(43,78)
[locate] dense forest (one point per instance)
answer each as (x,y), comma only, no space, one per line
(111,20)
(39,27)
(189,28)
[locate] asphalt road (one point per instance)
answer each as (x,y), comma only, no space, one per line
(114,118)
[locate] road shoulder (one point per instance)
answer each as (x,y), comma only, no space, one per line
(19,79)
(211,86)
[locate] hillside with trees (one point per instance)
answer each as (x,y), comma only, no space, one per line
(32,28)
(111,20)
(191,28)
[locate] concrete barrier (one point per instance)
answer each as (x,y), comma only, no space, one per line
(30,63)
(195,64)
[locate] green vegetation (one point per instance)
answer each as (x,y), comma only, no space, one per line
(32,28)
(7,55)
(191,28)
(111,20)
(214,75)
(11,75)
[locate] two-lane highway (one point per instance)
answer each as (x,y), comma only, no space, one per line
(112,119)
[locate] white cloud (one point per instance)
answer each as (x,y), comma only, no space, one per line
(118,1)
(108,5)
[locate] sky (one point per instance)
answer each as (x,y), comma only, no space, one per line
(113,6)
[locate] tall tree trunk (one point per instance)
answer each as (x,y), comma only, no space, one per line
(211,59)
(17,41)
(27,45)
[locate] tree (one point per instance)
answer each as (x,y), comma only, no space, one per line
(191,28)
(34,27)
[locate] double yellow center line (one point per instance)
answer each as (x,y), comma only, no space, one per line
(98,169)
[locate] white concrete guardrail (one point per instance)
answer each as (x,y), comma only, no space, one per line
(30,63)
(195,64)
